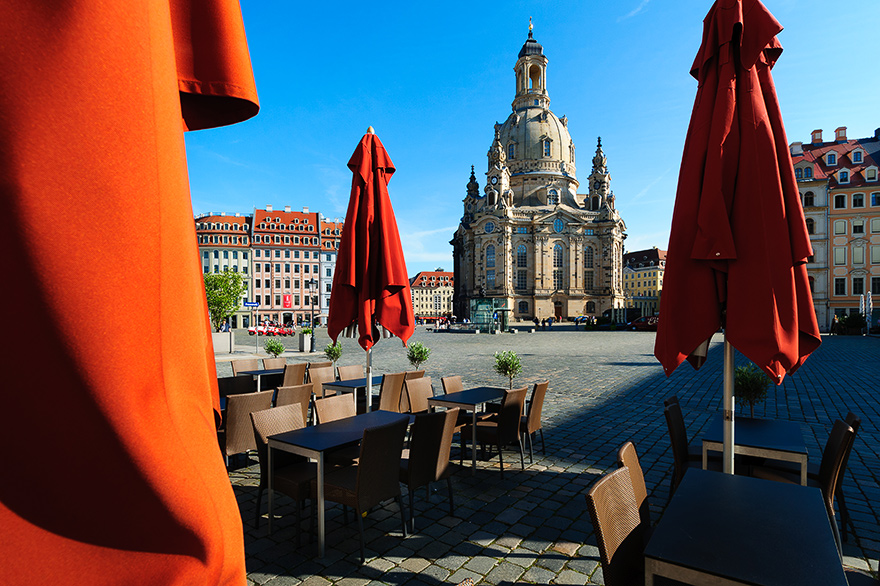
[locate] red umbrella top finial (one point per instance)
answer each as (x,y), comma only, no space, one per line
(370,130)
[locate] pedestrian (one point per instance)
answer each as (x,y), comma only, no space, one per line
(550,322)
(544,323)
(835,324)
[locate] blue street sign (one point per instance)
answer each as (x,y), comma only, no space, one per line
(251,303)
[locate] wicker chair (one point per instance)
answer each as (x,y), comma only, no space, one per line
(451,384)
(619,531)
(320,375)
(839,443)
(374,478)
(322,364)
(350,372)
(502,429)
(629,458)
(296,395)
(404,400)
(293,474)
(272,363)
(531,422)
(418,391)
(235,434)
(294,374)
(678,439)
(244,365)
(427,459)
(333,408)
(390,391)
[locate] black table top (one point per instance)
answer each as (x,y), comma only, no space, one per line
(772,434)
(752,530)
(263,371)
(475,396)
(355,383)
(336,434)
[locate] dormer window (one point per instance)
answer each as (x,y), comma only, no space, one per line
(546,147)
(831,159)
(857,156)
(808,172)
(553,197)
(511,151)
(843,176)
(798,173)
(871,174)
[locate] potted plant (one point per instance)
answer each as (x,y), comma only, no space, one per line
(305,335)
(750,386)
(333,352)
(417,353)
(273,347)
(508,364)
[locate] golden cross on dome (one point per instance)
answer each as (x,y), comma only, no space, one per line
(530,24)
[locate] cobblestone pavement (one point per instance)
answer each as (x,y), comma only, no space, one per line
(533,526)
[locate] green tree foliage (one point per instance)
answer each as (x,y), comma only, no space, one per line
(223,291)
(508,364)
(417,353)
(333,352)
(750,386)
(274,347)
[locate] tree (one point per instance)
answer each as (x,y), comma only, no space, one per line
(508,364)
(333,352)
(417,353)
(223,291)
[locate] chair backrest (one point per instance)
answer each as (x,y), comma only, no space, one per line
(295,395)
(619,533)
(335,407)
(411,374)
(627,456)
(670,400)
(510,414)
(418,391)
(389,392)
(320,375)
(322,364)
(294,374)
(378,471)
(855,422)
(536,405)
(429,446)
(245,364)
(271,421)
(350,372)
(271,363)
(679,440)
(404,398)
(839,442)
(239,434)
(451,384)
(236,385)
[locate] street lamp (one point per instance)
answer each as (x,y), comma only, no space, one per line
(313,284)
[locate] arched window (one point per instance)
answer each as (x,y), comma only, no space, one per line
(798,173)
(523,307)
(553,197)
(595,204)
(557,266)
(546,148)
(588,257)
(511,151)
(490,256)
(591,307)
(808,173)
(811,225)
(522,259)
(808,199)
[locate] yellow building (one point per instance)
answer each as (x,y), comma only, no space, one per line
(432,295)
(643,281)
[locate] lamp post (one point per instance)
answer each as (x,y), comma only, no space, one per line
(312,285)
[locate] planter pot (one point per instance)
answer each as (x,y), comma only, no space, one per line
(224,342)
(304,342)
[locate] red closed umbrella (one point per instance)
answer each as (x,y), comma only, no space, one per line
(370,287)
(738,245)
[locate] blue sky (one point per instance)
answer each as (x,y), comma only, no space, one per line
(433,79)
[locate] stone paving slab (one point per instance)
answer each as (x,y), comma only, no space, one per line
(533,526)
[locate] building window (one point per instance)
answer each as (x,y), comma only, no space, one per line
(266,283)
(839,256)
(522,230)
(278,267)
(588,257)
(553,198)
(808,172)
(831,159)
(557,266)
(490,278)
(810,226)
(858,226)
(522,260)
(490,256)
(216,254)
(268,300)
(287,267)
(875,285)
(875,225)
(839,201)
(858,200)
(590,307)
(327,273)
(858,255)
(875,199)
(511,151)
(871,174)
(277,283)
(840,226)
(857,157)
(277,253)
(839,286)
(523,307)
(808,199)
(843,177)
(875,254)
(558,225)
(546,148)
(858,287)
(588,280)
(798,174)
(521,280)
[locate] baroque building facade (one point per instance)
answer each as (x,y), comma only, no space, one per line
(643,281)
(432,295)
(530,245)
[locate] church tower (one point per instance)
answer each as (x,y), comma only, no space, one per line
(530,245)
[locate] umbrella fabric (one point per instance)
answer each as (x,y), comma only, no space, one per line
(109,374)
(738,241)
(370,287)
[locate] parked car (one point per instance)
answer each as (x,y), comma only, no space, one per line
(646,323)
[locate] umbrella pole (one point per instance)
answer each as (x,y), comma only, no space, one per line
(727,453)
(369,379)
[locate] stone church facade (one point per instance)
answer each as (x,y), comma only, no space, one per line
(530,245)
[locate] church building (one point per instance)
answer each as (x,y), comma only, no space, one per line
(530,245)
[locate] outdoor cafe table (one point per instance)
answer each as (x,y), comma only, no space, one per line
(259,373)
(723,529)
(469,400)
(354,385)
(765,438)
(315,441)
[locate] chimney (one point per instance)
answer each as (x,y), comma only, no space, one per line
(840,133)
(286,208)
(305,209)
(817,136)
(268,208)
(797,148)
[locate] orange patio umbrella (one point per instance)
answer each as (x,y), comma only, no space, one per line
(110,392)
(738,246)
(371,293)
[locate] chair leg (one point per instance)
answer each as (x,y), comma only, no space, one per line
(451,503)
(402,514)
(345,514)
(257,513)
(844,514)
(522,458)
(531,445)
(501,460)
(543,445)
(360,520)
(412,511)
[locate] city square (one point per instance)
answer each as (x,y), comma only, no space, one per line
(606,388)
